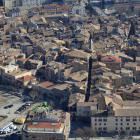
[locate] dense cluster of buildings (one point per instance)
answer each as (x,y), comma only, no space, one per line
(91,62)
(15,8)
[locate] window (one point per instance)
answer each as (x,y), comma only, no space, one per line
(121,128)
(121,123)
(116,128)
(127,128)
(100,128)
(134,123)
(116,123)
(134,120)
(127,123)
(95,128)
(116,120)
(95,120)
(95,123)
(104,120)
(121,120)
(100,120)
(99,123)
(127,120)
(104,123)
(104,128)
(134,128)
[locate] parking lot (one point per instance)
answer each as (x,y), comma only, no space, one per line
(16,102)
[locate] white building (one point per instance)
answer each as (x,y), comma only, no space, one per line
(78,9)
(47,125)
(9,4)
(15,12)
(116,115)
(84,108)
(32,2)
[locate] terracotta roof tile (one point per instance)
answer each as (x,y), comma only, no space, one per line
(26,78)
(111,57)
(47,84)
(50,5)
(44,125)
(64,8)
(22,59)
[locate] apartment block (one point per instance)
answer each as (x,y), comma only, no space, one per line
(50,8)
(52,125)
(116,115)
(112,62)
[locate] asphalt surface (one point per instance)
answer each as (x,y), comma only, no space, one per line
(99,11)
(10,112)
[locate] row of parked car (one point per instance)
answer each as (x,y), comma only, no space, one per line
(24,97)
(22,108)
(8,106)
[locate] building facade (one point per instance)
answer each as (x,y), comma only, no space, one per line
(116,116)
(78,9)
(46,125)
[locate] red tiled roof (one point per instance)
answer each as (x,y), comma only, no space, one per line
(50,5)
(137,7)
(136,94)
(35,9)
(44,125)
(26,78)
(64,8)
(99,53)
(118,60)
(22,59)
(47,84)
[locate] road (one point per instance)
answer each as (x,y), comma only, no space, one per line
(17,102)
(99,11)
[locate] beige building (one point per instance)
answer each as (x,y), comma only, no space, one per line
(10,77)
(72,104)
(112,62)
(116,80)
(42,125)
(128,93)
(33,64)
(50,8)
(26,80)
(84,108)
(77,54)
(126,77)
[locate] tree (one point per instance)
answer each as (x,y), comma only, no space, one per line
(103,4)
(89,7)
(79,1)
(52,104)
(40,96)
(33,94)
(85,133)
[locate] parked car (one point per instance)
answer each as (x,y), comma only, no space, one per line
(5,107)
(17,112)
(27,104)
(10,130)
(10,105)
